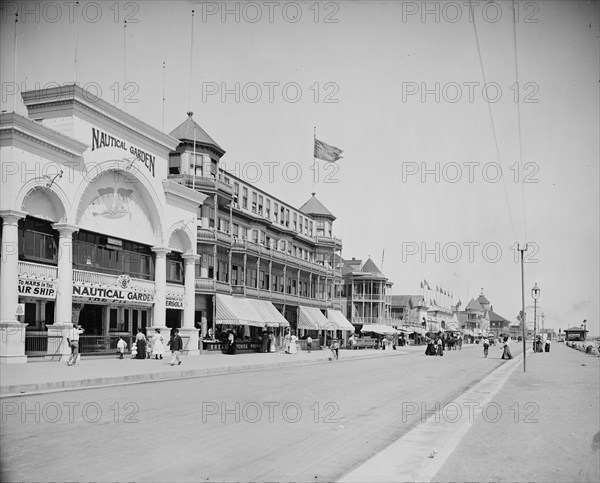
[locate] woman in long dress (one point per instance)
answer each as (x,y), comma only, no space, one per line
(293,340)
(158,348)
(506,353)
(287,342)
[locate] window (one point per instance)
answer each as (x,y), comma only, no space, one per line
(268,212)
(196,166)
(276,212)
(245,198)
(244,232)
(320,228)
(37,241)
(252,278)
(254,198)
(224,225)
(236,193)
(209,213)
(261,279)
(282,212)
(260,205)
(311,229)
(255,235)
(287,217)
(295,222)
(111,255)
(174,267)
(300,227)
(236,230)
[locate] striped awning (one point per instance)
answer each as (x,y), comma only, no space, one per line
(245,311)
(270,315)
(237,311)
(336,317)
(379,329)
(312,318)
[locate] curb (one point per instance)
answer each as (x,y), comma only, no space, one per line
(109,381)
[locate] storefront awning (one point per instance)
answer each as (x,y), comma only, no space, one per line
(336,317)
(313,319)
(379,329)
(237,311)
(270,315)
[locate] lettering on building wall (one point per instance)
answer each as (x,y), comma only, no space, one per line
(111,295)
(37,288)
(101,139)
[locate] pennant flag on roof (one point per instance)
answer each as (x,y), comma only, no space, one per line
(326,152)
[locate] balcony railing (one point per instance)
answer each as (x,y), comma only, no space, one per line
(205,285)
(202,182)
(37,270)
(82,276)
(372,320)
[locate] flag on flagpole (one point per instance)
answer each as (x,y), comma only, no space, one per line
(326,152)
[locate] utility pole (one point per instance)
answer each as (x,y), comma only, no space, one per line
(523,250)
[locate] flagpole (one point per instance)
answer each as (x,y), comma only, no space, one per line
(163,96)
(15,61)
(76,42)
(314,160)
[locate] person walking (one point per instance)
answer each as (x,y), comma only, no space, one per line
(506,352)
(271,342)
(547,346)
(158,348)
(231,343)
(121,346)
(309,343)
(140,341)
(335,350)
(486,346)
(73,341)
(175,344)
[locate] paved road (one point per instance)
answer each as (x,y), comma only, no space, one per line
(308,423)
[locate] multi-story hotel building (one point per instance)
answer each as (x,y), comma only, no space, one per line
(253,244)
(115,225)
(366,297)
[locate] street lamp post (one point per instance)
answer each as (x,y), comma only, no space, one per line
(535,294)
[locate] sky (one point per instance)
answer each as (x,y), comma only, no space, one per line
(440,178)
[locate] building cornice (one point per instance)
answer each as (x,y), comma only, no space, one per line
(76,96)
(12,124)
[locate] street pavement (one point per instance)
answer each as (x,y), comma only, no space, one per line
(361,418)
(54,376)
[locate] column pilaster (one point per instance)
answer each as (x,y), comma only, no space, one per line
(188,329)
(12,332)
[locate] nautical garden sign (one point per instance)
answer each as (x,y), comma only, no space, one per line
(111,295)
(101,139)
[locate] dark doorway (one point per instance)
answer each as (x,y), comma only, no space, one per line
(90,318)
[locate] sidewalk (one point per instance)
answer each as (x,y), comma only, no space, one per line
(24,379)
(539,425)
(548,427)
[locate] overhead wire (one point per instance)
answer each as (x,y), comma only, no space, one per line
(522,181)
(472,16)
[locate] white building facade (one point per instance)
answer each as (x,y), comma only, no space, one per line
(93,232)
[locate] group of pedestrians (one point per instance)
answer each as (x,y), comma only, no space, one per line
(267,342)
(539,346)
(435,346)
(145,348)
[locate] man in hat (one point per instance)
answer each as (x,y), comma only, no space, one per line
(73,341)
